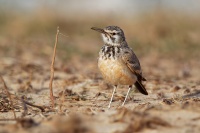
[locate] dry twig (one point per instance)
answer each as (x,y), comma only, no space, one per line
(62,99)
(8,94)
(52,70)
(30,104)
(24,107)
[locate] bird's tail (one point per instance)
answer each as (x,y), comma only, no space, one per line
(141,87)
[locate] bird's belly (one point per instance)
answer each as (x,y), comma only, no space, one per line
(114,71)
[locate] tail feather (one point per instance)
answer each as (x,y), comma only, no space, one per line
(141,87)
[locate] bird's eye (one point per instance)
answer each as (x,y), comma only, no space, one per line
(113,33)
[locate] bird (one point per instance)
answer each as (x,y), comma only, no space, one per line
(118,63)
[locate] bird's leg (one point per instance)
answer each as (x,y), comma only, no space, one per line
(127,95)
(112,96)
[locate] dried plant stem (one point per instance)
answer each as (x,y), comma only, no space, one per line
(33,105)
(8,94)
(63,34)
(62,99)
(52,70)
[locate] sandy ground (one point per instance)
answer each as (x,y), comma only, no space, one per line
(82,97)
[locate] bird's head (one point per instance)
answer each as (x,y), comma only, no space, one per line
(112,35)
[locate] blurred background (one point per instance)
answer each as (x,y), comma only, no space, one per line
(160,28)
(164,34)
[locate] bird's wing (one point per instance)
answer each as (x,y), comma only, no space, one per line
(132,62)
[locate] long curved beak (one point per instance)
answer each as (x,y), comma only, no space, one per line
(99,30)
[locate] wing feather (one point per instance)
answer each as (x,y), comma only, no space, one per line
(132,62)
